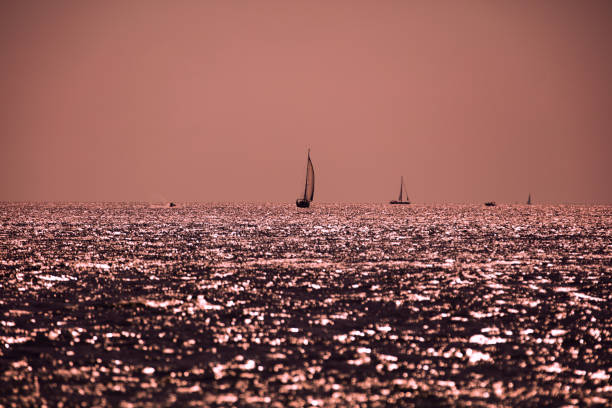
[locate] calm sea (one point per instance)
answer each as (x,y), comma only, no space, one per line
(336,305)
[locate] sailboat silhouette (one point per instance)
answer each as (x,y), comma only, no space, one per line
(401,194)
(304,202)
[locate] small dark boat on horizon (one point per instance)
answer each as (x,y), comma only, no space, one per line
(490,203)
(401,194)
(304,202)
(171,205)
(529,199)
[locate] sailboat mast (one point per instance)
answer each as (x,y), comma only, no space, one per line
(401,188)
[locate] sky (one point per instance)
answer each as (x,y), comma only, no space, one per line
(219,101)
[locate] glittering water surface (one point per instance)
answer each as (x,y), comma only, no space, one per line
(269,305)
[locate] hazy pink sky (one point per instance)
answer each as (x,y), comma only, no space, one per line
(218,101)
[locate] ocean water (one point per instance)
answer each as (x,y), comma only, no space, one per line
(336,305)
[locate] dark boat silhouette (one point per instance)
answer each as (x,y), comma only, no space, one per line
(490,204)
(171,205)
(529,199)
(401,193)
(304,202)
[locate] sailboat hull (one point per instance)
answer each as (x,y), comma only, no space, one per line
(399,202)
(301,203)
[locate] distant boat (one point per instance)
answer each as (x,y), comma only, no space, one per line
(401,195)
(490,204)
(529,199)
(304,202)
(171,205)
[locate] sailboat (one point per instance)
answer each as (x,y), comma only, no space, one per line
(304,202)
(529,199)
(401,194)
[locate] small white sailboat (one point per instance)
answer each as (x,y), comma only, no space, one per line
(304,202)
(400,200)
